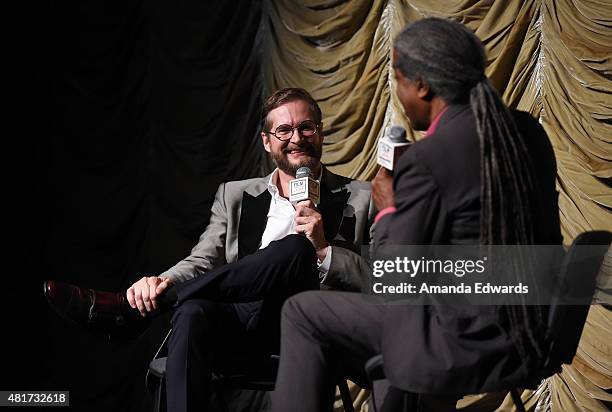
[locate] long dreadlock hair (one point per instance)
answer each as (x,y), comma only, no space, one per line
(451,60)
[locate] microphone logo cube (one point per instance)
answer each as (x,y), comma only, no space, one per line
(304,188)
(389,152)
(298,189)
(313,191)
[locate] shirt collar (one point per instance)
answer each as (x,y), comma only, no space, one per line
(434,125)
(272,188)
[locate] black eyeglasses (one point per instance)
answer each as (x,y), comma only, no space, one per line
(284,132)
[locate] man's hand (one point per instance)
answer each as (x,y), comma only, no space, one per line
(382,189)
(143,294)
(308,221)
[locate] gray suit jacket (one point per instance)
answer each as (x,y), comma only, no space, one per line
(238,219)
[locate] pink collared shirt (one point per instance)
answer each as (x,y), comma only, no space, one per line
(434,125)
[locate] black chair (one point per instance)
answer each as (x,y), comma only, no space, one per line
(567,313)
(262,377)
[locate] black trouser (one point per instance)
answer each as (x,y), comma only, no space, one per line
(231,315)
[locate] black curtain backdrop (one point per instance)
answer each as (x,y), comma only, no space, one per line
(151,105)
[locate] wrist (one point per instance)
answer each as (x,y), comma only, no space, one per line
(322,252)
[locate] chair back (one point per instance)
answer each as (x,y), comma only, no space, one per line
(571,304)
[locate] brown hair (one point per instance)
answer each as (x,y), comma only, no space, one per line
(282,96)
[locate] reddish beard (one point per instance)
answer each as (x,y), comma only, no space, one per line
(311,160)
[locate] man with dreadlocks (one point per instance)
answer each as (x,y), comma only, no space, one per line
(483,175)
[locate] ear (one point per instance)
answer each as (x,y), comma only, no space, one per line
(266,141)
(399,76)
(423,89)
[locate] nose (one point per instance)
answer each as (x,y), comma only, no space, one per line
(297,136)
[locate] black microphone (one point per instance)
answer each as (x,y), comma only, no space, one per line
(391,147)
(304,187)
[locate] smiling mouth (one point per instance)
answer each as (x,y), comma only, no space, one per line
(298,152)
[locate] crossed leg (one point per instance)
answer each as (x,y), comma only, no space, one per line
(230,316)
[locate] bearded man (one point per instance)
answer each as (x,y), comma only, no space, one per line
(257,250)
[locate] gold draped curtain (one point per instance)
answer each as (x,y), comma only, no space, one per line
(551,58)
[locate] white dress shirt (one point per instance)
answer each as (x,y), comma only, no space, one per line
(281,222)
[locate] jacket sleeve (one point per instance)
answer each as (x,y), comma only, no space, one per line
(344,271)
(419,205)
(347,265)
(209,252)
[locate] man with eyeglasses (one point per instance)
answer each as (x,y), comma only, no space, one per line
(257,250)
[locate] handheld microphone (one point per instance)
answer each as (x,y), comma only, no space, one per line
(304,187)
(391,147)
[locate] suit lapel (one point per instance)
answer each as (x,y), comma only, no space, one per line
(256,204)
(253,219)
(334,197)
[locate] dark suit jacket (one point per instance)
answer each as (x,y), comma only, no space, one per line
(430,349)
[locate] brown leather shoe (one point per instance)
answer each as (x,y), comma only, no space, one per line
(88,306)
